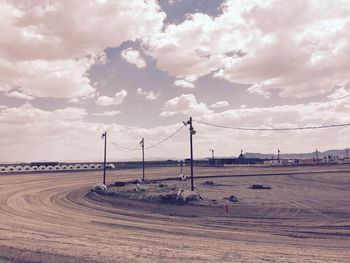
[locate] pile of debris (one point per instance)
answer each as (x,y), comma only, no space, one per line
(99,188)
(186,195)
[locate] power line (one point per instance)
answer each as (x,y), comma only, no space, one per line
(156,147)
(166,139)
(126,149)
(168,152)
(118,148)
(274,129)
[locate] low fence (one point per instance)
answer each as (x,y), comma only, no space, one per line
(48,168)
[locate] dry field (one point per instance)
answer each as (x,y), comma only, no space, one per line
(305,217)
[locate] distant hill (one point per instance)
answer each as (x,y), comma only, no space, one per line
(339,153)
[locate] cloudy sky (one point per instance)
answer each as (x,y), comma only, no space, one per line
(71,69)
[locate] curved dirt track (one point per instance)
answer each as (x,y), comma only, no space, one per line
(49,218)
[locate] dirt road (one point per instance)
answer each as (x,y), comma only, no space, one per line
(305,218)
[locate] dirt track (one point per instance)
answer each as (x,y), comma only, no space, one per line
(305,217)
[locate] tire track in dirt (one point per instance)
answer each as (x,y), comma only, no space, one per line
(50,215)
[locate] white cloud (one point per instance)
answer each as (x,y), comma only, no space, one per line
(36,131)
(52,59)
(341,92)
(42,78)
(220,104)
(75,100)
(298,51)
(186,104)
(229,142)
(33,134)
(190,43)
(174,2)
(107,113)
(112,101)
(19,95)
(33,27)
(184,84)
(134,57)
(321,113)
(27,114)
(148,95)
(259,89)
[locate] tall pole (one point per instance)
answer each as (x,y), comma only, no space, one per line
(212,156)
(191,146)
(143,158)
(104,135)
(278,154)
(347,153)
(192,132)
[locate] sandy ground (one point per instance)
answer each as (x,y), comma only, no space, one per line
(305,217)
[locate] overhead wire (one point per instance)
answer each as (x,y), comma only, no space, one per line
(166,151)
(125,148)
(120,149)
(166,139)
(273,129)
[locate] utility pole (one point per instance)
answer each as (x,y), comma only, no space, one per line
(143,158)
(316,155)
(278,154)
(212,153)
(192,132)
(104,136)
(212,156)
(347,153)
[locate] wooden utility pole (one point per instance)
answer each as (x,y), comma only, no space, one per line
(143,158)
(192,132)
(104,136)
(212,157)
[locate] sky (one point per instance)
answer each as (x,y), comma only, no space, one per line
(71,69)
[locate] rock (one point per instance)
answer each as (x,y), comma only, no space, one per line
(186,195)
(139,188)
(99,187)
(182,177)
(137,181)
(233,199)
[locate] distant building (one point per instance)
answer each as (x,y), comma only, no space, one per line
(241,159)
